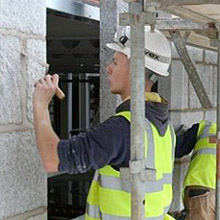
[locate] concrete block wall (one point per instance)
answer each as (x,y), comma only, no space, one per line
(23,183)
(184,103)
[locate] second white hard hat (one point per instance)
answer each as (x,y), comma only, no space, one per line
(157,48)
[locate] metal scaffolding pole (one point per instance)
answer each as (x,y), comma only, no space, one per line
(137,111)
(218,133)
(137,172)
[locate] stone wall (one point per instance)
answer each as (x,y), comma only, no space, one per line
(185,105)
(109,21)
(23,184)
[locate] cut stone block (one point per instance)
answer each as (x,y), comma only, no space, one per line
(10,80)
(35,70)
(27,16)
(210,57)
(21,173)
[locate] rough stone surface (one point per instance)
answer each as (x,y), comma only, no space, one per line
(193,98)
(37,49)
(10,80)
(186,118)
(35,70)
(39,217)
(206,75)
(23,183)
(211,57)
(196,54)
(26,16)
(210,115)
(109,11)
(215,87)
(179,86)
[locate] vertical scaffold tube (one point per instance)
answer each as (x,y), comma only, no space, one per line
(137,110)
(218,134)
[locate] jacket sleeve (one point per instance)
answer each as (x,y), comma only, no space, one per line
(107,144)
(186,141)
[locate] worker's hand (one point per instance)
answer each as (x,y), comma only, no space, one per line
(45,89)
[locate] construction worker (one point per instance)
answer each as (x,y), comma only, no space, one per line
(200,180)
(107,147)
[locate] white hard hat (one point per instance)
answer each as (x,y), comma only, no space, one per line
(157,48)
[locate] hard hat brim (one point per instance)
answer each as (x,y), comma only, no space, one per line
(118,48)
(153,64)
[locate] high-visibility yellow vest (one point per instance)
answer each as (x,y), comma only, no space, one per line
(110,196)
(202,168)
(168,217)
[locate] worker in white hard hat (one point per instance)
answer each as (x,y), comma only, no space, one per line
(107,147)
(157,49)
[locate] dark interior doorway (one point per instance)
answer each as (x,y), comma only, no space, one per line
(73,53)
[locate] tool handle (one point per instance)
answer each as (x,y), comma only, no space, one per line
(59,93)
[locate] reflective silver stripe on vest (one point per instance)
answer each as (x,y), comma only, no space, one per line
(205,133)
(173,136)
(150,160)
(111,217)
(203,136)
(156,218)
(93,211)
(96,175)
(211,151)
(115,183)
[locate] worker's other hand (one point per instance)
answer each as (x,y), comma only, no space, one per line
(45,89)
